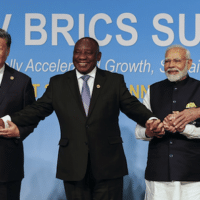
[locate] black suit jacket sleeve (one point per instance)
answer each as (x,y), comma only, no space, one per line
(28,99)
(132,107)
(33,113)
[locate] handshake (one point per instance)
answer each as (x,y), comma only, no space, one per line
(174,122)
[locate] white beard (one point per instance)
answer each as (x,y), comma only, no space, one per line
(176,77)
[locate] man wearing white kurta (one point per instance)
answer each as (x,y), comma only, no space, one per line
(172,171)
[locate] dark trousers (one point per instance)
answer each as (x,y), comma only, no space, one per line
(10,190)
(91,189)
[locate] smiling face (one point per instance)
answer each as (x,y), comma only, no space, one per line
(86,55)
(176,64)
(4,51)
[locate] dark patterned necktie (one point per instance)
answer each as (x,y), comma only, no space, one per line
(85,94)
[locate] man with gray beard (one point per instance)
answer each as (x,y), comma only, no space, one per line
(172,170)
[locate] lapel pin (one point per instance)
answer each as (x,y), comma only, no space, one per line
(12,78)
(98,86)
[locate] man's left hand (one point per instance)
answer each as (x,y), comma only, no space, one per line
(10,132)
(186,116)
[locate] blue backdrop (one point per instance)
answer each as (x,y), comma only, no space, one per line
(133,36)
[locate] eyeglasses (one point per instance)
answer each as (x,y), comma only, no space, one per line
(176,61)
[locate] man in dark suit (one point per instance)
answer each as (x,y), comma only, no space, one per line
(16,91)
(87,102)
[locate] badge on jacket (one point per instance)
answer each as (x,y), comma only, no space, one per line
(191,105)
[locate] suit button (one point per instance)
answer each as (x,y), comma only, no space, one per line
(87,126)
(174,101)
(171,155)
(16,141)
(86,143)
(171,142)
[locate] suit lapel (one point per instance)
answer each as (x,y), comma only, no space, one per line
(98,85)
(73,85)
(7,81)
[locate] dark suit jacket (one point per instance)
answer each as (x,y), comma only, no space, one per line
(16,92)
(174,157)
(98,134)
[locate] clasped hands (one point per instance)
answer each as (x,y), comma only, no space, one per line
(154,128)
(10,132)
(174,122)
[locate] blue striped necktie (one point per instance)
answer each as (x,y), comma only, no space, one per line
(85,94)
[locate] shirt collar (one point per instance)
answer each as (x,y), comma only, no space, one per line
(91,74)
(2,69)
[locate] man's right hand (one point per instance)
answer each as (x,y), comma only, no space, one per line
(168,123)
(10,132)
(154,128)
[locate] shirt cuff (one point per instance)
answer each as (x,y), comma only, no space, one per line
(140,133)
(190,132)
(5,119)
(152,118)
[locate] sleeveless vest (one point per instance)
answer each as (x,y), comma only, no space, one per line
(174,157)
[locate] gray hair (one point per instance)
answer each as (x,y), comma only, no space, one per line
(187,52)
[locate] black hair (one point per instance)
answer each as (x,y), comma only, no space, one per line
(6,36)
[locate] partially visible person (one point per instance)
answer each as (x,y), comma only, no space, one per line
(172,170)
(16,92)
